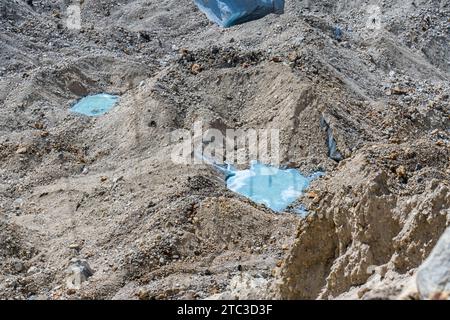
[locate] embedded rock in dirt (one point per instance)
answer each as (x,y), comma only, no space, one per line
(105,189)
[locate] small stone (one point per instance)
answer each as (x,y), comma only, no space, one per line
(394,140)
(22,150)
(312,195)
(56,14)
(71,292)
(292,56)
(401,171)
(184,51)
(399,91)
(74,246)
(143,294)
(161,296)
(276,59)
(32,270)
(440,296)
(18,266)
(18,203)
(196,68)
(79,271)
(215,50)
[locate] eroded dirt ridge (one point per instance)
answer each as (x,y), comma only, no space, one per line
(94,208)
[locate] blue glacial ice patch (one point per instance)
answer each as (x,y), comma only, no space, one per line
(227,13)
(95,105)
(276,188)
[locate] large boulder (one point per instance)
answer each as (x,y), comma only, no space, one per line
(433,277)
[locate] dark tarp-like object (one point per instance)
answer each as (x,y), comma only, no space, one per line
(227,13)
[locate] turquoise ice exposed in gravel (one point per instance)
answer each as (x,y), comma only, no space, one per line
(276,188)
(95,105)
